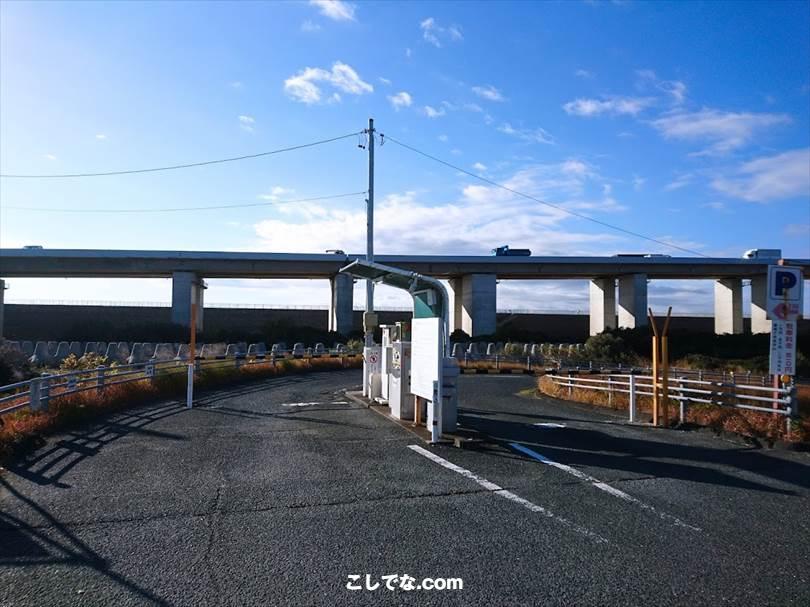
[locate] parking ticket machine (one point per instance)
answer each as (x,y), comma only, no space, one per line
(400,399)
(388,337)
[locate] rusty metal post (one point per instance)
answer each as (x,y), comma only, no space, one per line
(655,380)
(665,379)
(665,362)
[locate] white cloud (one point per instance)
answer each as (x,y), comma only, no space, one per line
(435,34)
(384,81)
(584,74)
(473,107)
(443,138)
(681,181)
(572,166)
(236,84)
(432,112)
(400,100)
(614,106)
(674,88)
(488,92)
(724,131)
(406,223)
(408,53)
(785,175)
(309,26)
(456,152)
(716,206)
(246,123)
(480,167)
(49,157)
(569,182)
(302,86)
(537,135)
(276,192)
(638,183)
(336,10)
(101,136)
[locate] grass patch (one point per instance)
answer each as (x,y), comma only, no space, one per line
(26,429)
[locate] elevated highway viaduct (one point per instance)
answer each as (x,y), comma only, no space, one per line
(618,284)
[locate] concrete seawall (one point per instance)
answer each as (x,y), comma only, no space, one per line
(55,322)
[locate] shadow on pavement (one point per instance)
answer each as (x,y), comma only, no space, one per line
(582,447)
(49,464)
(24,545)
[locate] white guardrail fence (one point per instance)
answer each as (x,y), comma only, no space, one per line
(686,391)
(36,393)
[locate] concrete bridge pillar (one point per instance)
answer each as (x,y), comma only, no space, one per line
(633,301)
(187,287)
(759,294)
(341,306)
(603,304)
(2,295)
(475,304)
(728,312)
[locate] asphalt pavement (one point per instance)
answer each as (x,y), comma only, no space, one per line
(275,493)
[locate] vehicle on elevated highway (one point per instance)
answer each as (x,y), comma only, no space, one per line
(505,251)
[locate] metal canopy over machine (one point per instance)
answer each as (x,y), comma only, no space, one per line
(429,295)
(430,338)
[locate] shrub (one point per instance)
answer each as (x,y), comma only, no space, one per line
(513,349)
(87,362)
(355,345)
(459,335)
(14,365)
(608,347)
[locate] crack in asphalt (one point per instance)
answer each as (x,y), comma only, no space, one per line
(217,510)
(212,520)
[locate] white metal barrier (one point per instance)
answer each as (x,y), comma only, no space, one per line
(36,393)
(686,391)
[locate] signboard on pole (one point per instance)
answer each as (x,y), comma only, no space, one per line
(783,347)
(785,286)
(425,334)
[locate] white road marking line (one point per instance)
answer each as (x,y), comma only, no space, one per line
(340,402)
(549,425)
(498,490)
(603,486)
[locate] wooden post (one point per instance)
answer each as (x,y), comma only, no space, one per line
(665,370)
(655,380)
(654,367)
(665,379)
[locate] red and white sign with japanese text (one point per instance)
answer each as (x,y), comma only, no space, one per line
(783,347)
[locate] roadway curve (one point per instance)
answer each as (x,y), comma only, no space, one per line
(255,497)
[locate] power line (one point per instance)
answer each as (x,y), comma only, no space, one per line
(180,209)
(185,166)
(544,202)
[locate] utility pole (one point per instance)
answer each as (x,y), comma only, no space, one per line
(369,322)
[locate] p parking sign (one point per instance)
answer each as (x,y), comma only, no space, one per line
(785,286)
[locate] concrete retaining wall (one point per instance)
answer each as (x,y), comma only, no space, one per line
(62,322)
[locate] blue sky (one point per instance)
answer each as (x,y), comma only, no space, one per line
(687,122)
